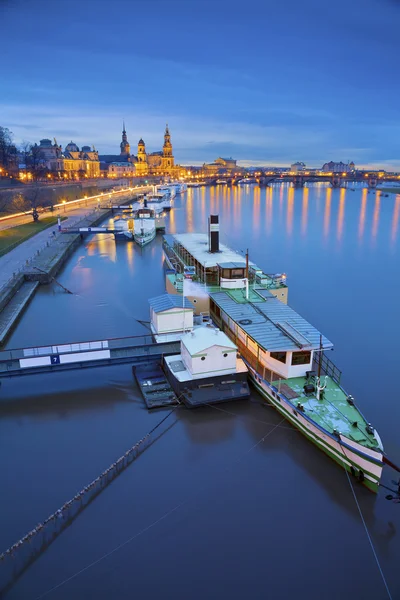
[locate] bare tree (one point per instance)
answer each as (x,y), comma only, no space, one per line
(8,151)
(35,160)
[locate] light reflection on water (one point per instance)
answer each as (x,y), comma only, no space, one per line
(58,431)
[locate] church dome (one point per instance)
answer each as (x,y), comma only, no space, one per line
(86,149)
(71,147)
(141,141)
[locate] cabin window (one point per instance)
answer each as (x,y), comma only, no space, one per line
(203,358)
(301,358)
(215,309)
(237,273)
(281,356)
(225,354)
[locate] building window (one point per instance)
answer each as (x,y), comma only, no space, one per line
(301,358)
(281,356)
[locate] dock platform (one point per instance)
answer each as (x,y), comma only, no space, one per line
(154,386)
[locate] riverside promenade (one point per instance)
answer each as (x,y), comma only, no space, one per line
(38,259)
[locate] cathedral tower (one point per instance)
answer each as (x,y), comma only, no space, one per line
(124,145)
(141,164)
(167,159)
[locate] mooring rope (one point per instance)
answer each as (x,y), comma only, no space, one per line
(151,525)
(365,525)
(63,514)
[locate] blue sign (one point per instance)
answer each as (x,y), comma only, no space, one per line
(55,359)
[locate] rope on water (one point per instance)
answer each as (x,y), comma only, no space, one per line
(365,525)
(151,525)
(64,516)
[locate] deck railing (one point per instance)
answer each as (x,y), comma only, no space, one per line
(327,366)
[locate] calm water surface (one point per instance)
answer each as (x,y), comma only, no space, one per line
(252,519)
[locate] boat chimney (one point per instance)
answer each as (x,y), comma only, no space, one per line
(213,233)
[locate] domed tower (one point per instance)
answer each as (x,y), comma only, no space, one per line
(168,159)
(124,145)
(141,164)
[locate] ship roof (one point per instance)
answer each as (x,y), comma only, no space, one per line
(269,322)
(168,301)
(197,245)
(232,265)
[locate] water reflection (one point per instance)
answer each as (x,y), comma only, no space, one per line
(256,209)
(327,214)
(363,211)
(340,220)
(269,211)
(375,221)
(395,220)
(289,219)
(304,213)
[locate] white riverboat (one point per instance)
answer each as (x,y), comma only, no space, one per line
(167,190)
(158,202)
(144,226)
(286,355)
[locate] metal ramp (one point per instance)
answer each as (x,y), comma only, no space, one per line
(154,386)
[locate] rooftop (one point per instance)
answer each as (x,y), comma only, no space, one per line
(197,245)
(273,325)
(202,338)
(168,301)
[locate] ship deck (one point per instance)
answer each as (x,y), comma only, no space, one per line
(332,412)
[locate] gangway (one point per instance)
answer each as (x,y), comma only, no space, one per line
(83,355)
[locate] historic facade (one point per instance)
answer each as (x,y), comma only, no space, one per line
(156,163)
(71,162)
(338,167)
(220,165)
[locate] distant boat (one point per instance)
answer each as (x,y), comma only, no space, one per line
(158,202)
(144,226)
(167,190)
(221,182)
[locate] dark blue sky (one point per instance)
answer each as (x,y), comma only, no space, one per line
(267,82)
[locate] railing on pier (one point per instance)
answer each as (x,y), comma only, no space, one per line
(327,366)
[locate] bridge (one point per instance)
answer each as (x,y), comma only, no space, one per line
(83,355)
(298,179)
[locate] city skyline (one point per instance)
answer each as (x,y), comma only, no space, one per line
(273,95)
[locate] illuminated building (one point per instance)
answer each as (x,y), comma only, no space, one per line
(338,167)
(156,163)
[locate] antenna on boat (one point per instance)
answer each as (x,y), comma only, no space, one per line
(320,356)
(320,388)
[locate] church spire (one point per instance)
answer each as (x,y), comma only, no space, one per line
(124,145)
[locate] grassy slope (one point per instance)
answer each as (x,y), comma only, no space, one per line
(10,238)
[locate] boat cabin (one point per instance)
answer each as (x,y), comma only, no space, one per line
(232,274)
(275,340)
(170,314)
(144,213)
(208,351)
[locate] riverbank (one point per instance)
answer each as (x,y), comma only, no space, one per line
(41,268)
(12,237)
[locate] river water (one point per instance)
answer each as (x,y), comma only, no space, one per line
(213,511)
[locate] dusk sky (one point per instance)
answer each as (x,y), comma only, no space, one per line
(267,83)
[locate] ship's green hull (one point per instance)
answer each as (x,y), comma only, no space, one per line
(364,476)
